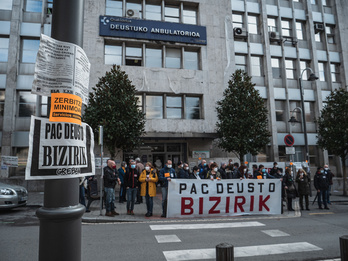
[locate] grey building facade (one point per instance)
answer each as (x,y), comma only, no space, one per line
(179,80)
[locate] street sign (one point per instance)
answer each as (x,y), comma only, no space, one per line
(289,140)
(290,150)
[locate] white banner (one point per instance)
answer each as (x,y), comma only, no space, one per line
(59,150)
(206,198)
(61,67)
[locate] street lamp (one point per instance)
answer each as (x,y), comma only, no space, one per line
(312,77)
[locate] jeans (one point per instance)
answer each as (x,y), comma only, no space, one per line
(149,203)
(122,193)
(322,195)
(82,195)
(164,200)
(109,199)
(131,195)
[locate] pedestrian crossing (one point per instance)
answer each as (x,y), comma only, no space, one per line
(242,251)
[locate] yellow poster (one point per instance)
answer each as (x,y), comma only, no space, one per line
(65,107)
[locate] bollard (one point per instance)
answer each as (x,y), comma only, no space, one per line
(224,252)
(344,247)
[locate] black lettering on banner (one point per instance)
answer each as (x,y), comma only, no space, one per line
(219,188)
(47,158)
(59,131)
(261,185)
(203,189)
(240,187)
(193,189)
(271,187)
(251,187)
(47,129)
(230,188)
(182,187)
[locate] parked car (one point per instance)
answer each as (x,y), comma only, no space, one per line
(12,196)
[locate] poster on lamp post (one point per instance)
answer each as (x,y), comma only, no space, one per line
(59,150)
(61,67)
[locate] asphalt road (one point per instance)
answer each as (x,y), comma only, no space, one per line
(312,236)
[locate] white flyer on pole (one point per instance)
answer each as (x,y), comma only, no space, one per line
(61,67)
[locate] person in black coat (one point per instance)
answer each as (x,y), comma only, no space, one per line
(184,172)
(321,184)
(195,173)
(303,182)
(132,183)
(289,187)
(222,170)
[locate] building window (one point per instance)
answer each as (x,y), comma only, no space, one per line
(174,107)
(6,5)
(29,50)
(136,7)
(113,54)
(153,57)
(172,14)
(299,31)
(317,37)
(279,108)
(4,49)
(134,56)
(237,20)
(2,102)
(309,111)
(313,2)
(240,62)
(321,67)
(286,28)
(192,108)
(113,7)
(27,104)
(252,24)
(173,58)
(189,16)
(44,104)
(49,6)
(153,12)
(335,72)
(191,60)
(255,65)
(154,107)
(330,34)
(290,69)
(276,68)
(272,24)
(33,6)
(303,66)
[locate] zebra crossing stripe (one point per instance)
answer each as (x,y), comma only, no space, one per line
(275,233)
(206,226)
(260,250)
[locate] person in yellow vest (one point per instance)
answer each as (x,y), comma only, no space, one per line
(148,179)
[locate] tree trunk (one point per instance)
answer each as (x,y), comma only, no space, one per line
(344,176)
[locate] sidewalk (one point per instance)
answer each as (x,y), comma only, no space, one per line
(35,199)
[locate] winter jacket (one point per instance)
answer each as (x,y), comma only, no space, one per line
(131,178)
(321,181)
(202,171)
(223,173)
(166,173)
(121,174)
(183,174)
(209,174)
(151,185)
(288,181)
(303,184)
(110,177)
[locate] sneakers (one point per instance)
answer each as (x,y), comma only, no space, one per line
(148,214)
(114,213)
(132,213)
(109,214)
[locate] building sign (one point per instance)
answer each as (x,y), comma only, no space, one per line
(65,107)
(114,26)
(207,198)
(9,161)
(61,67)
(59,150)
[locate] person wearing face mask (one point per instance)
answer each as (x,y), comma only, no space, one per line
(303,182)
(132,184)
(222,170)
(289,187)
(148,179)
(195,173)
(110,178)
(121,174)
(203,169)
(329,175)
(213,173)
(140,168)
(321,184)
(274,170)
(166,175)
(184,172)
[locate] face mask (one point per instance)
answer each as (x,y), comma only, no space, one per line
(187,168)
(275,166)
(169,166)
(263,170)
(114,167)
(245,170)
(125,166)
(215,169)
(181,165)
(147,168)
(326,168)
(205,164)
(322,171)
(133,166)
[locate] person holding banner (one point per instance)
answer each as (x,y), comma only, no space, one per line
(184,172)
(148,179)
(203,169)
(213,173)
(195,173)
(165,176)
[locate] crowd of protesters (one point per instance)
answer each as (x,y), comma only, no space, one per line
(137,181)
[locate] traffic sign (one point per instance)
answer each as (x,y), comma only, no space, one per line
(289,140)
